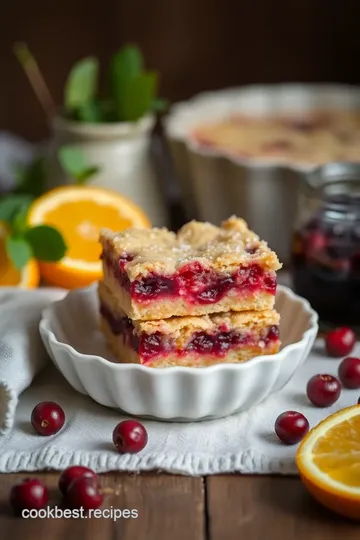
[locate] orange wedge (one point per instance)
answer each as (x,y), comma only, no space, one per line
(328,460)
(79,212)
(27,278)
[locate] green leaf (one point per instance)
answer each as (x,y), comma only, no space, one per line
(18,251)
(137,96)
(81,84)
(89,112)
(86,174)
(31,178)
(72,160)
(46,242)
(19,222)
(10,205)
(125,64)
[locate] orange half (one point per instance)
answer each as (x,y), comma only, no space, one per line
(328,460)
(79,213)
(27,278)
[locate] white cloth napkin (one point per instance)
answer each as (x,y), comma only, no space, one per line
(244,442)
(21,351)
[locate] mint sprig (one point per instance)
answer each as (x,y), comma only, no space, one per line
(47,243)
(43,242)
(132,88)
(18,250)
(73,162)
(81,85)
(131,92)
(10,205)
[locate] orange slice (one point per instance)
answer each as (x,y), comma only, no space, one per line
(79,212)
(27,278)
(328,460)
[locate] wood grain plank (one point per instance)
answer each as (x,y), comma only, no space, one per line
(168,507)
(258,507)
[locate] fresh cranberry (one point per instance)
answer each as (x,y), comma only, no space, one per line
(83,492)
(316,242)
(349,372)
(130,437)
(69,474)
(323,390)
(47,418)
(340,342)
(291,427)
(29,494)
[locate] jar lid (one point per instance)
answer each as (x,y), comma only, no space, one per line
(335,175)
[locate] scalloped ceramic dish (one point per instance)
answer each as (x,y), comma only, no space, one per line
(216,184)
(70,332)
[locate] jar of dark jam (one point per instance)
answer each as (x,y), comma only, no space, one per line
(326,243)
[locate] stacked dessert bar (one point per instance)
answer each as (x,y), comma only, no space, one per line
(196,298)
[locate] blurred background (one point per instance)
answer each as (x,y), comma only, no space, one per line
(195,44)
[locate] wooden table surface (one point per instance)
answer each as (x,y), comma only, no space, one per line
(230,507)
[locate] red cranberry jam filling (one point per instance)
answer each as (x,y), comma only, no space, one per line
(218,344)
(150,346)
(120,325)
(198,285)
(118,267)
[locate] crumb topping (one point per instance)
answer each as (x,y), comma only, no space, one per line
(162,251)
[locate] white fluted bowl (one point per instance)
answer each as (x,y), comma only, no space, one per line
(70,332)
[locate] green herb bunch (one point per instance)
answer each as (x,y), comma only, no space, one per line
(131,94)
(131,89)
(42,242)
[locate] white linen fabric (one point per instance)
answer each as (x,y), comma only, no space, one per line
(244,442)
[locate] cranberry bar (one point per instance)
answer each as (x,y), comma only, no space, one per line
(188,341)
(156,274)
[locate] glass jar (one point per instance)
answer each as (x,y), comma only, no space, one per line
(326,243)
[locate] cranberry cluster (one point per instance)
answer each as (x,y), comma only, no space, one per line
(79,485)
(323,390)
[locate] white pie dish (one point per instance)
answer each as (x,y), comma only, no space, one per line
(71,335)
(216,184)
